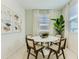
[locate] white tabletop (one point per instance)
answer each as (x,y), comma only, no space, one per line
(48,39)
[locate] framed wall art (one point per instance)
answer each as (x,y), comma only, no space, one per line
(10,21)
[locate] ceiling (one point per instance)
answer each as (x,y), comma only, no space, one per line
(43,4)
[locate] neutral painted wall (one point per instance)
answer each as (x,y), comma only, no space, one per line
(32,18)
(71,37)
(11,42)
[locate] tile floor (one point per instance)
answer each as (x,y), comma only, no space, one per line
(22,54)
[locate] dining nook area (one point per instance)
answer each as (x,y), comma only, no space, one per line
(39,29)
(46,44)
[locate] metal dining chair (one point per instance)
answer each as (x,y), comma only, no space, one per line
(57,48)
(31,46)
(30,36)
(56,42)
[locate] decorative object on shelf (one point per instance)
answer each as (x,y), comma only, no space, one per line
(59,25)
(10,21)
(44,34)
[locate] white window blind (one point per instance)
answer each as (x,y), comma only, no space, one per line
(43,23)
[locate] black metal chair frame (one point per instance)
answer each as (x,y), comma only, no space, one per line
(59,48)
(29,48)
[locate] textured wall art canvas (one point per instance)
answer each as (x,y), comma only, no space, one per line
(10,21)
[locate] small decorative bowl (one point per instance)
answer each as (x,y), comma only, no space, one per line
(44,35)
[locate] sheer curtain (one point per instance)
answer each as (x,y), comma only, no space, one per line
(36,17)
(35,22)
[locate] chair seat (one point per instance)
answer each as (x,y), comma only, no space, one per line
(54,47)
(38,47)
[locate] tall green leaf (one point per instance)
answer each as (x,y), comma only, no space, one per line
(59,24)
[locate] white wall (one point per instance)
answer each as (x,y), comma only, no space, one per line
(71,37)
(32,18)
(12,41)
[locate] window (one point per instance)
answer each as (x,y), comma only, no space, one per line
(73,19)
(43,23)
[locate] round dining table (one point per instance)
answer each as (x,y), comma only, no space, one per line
(47,39)
(44,40)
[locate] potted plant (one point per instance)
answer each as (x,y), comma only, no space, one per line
(59,25)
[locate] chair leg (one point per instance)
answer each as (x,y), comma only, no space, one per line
(56,55)
(63,54)
(36,55)
(42,53)
(27,50)
(41,43)
(28,54)
(49,54)
(50,43)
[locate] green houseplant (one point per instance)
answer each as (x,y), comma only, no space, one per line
(59,25)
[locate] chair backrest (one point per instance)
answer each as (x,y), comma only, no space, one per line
(62,43)
(30,43)
(58,36)
(29,35)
